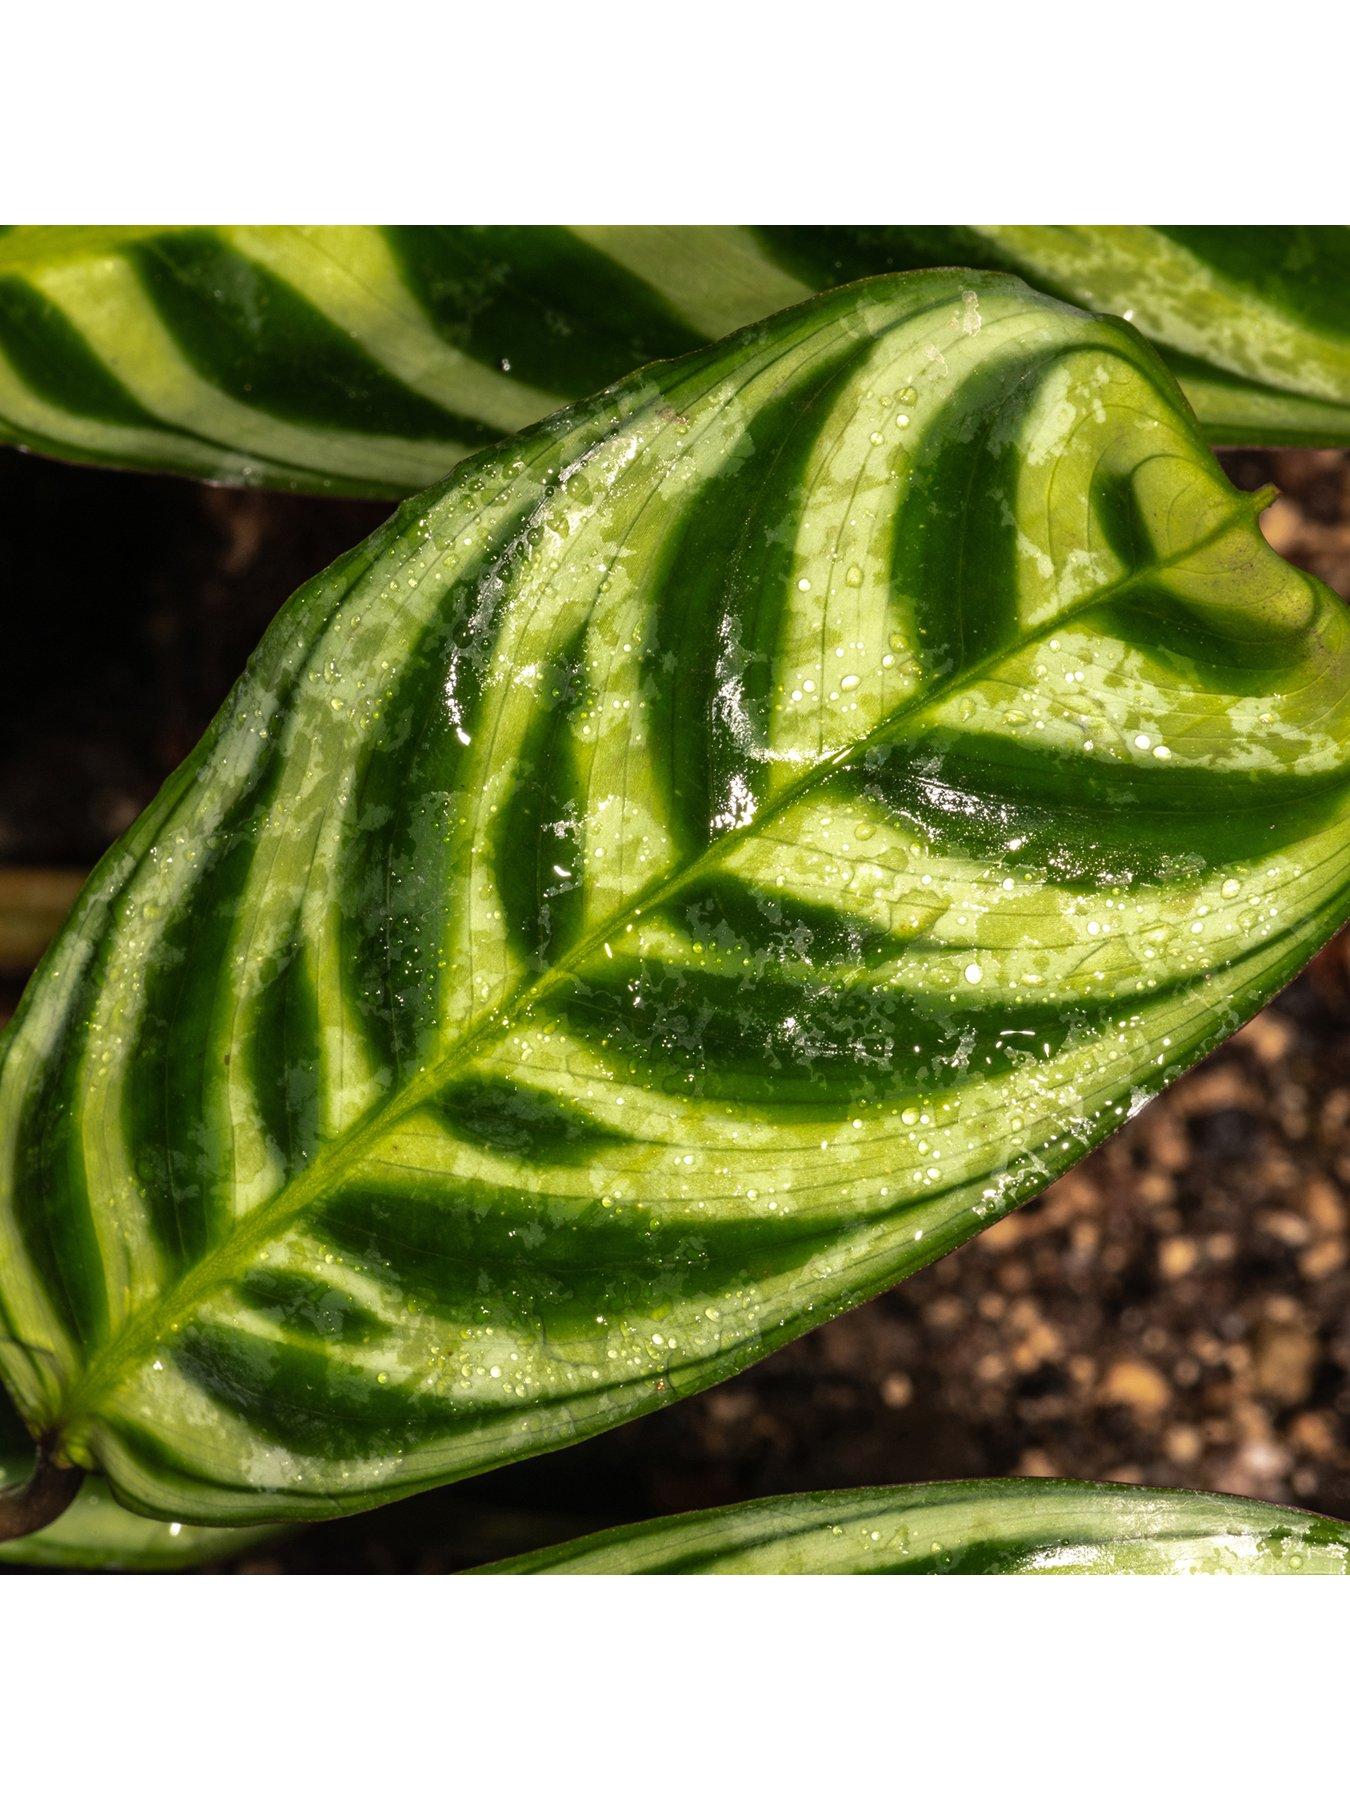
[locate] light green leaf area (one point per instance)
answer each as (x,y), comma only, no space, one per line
(365,360)
(96,1533)
(718,852)
(965,1528)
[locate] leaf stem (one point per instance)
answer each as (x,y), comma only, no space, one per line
(40,1500)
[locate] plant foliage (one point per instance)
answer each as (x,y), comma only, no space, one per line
(965,1528)
(716,853)
(364,360)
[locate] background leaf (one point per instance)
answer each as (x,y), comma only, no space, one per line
(717,853)
(1254,320)
(965,1528)
(363,360)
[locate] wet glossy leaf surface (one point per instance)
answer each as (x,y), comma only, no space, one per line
(362,360)
(713,856)
(966,1528)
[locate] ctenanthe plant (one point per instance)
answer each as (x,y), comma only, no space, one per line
(365,360)
(712,855)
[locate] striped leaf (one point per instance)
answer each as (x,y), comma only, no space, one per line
(96,1533)
(360,360)
(965,1528)
(705,861)
(1254,320)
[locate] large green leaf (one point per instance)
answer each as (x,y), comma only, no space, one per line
(364,360)
(96,1533)
(699,865)
(965,1528)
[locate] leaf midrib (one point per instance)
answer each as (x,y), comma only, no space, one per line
(142,1330)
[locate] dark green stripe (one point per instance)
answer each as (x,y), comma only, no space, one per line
(769,927)
(305,1306)
(548,1264)
(954,560)
(53,1207)
(717,606)
(51,358)
(1024,807)
(815,1044)
(1207,646)
(260,342)
(1302,271)
(826,256)
(523,1122)
(538,847)
(561,315)
(305,1399)
(180,1053)
(393,877)
(285,1054)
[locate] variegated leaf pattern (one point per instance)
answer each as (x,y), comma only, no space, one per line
(1254,320)
(365,360)
(719,851)
(966,1528)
